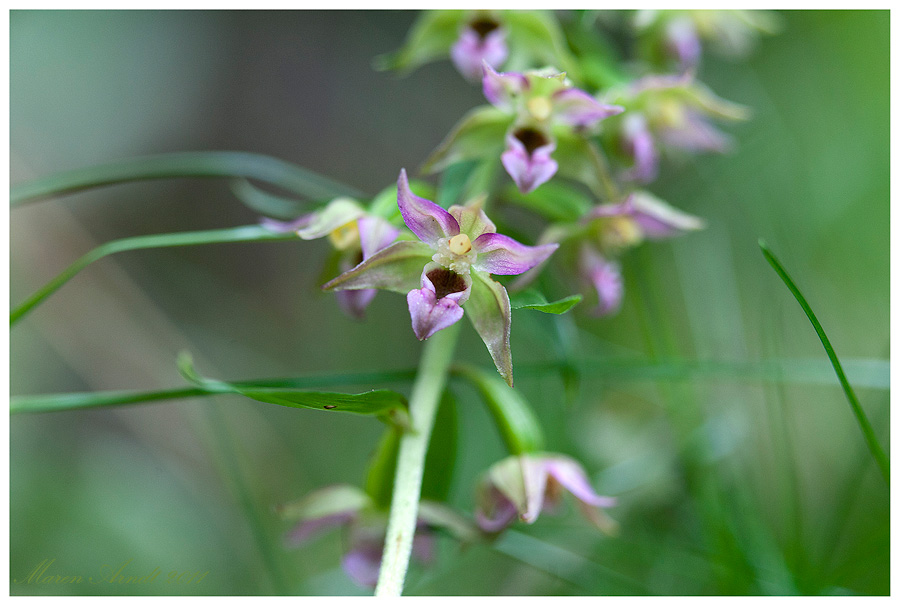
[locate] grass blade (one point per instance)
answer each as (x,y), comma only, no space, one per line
(248,233)
(861,418)
(185,164)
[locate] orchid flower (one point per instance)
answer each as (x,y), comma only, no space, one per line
(669,113)
(448,270)
(351,508)
(354,233)
(680,33)
(619,226)
(540,101)
(524,485)
(480,40)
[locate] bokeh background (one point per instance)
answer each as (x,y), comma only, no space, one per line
(717,420)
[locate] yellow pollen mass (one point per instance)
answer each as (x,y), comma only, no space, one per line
(459,244)
(345,236)
(539,107)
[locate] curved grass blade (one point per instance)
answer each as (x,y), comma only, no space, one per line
(861,418)
(248,233)
(184,164)
(389,406)
(270,205)
(533,299)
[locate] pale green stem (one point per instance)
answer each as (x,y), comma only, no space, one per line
(426,393)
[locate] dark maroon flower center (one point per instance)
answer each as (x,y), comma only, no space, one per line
(531,138)
(483,27)
(446,282)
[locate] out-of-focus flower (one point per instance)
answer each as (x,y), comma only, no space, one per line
(524,485)
(449,268)
(355,234)
(666,113)
(680,33)
(351,508)
(539,101)
(520,39)
(481,40)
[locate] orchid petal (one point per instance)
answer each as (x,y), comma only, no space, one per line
(354,302)
(472,220)
(496,513)
(523,481)
(396,268)
(683,42)
(375,234)
(577,108)
(528,170)
(606,278)
(471,49)
(501,255)
(283,227)
(489,311)
(423,217)
(572,477)
(660,220)
(312,527)
(639,143)
(335,214)
(501,89)
(696,135)
(363,562)
(430,314)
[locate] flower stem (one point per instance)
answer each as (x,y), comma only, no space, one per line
(430,381)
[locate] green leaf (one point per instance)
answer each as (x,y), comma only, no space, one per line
(248,233)
(533,299)
(555,200)
(382,467)
(430,38)
(267,169)
(441,458)
(267,204)
(388,405)
(861,418)
(479,134)
(538,36)
(515,420)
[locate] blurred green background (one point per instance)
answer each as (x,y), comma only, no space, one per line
(744,474)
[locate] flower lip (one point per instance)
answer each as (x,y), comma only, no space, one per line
(483,27)
(446,282)
(531,138)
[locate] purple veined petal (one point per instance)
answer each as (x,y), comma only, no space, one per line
(696,135)
(659,220)
(423,217)
(527,158)
(311,527)
(430,314)
(363,562)
(501,255)
(501,512)
(683,42)
(640,145)
(572,477)
(501,89)
(355,302)
(606,278)
(574,107)
(471,49)
(374,234)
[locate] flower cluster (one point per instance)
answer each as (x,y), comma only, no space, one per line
(449,268)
